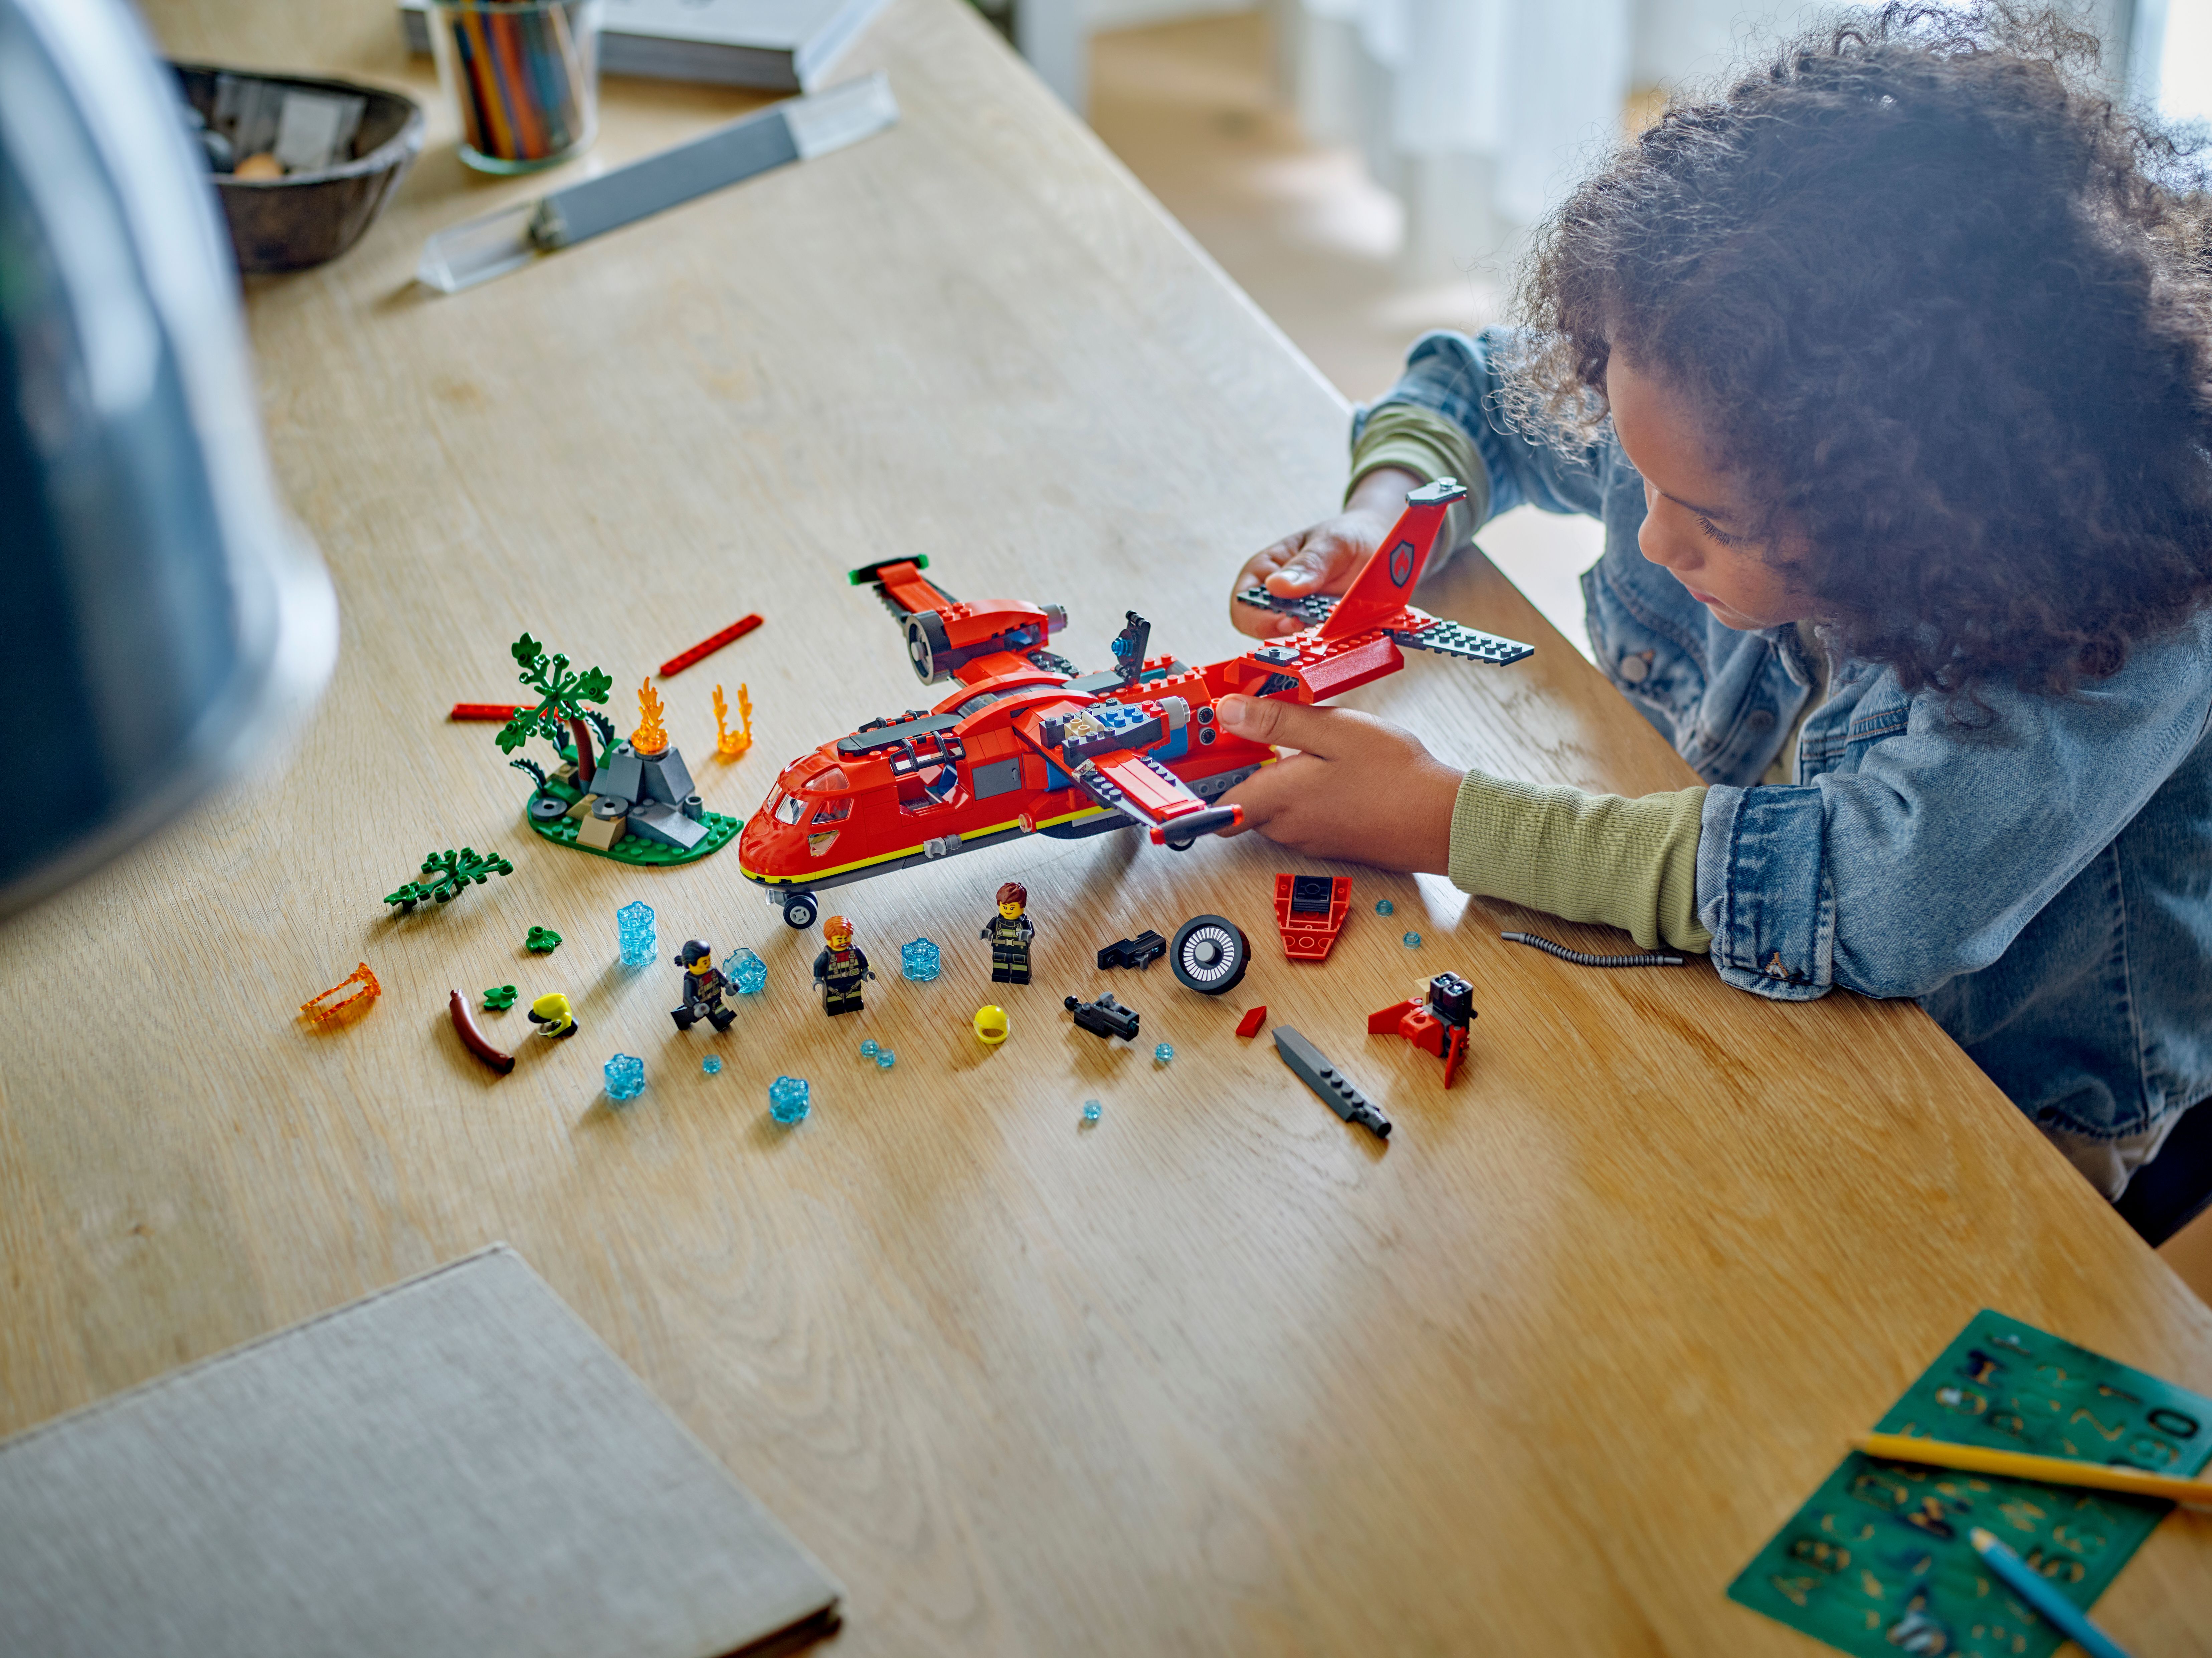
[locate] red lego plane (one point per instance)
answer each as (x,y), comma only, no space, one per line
(1027,745)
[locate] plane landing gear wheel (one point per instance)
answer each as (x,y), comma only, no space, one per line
(1210,954)
(799,910)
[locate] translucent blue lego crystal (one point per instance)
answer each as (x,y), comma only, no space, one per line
(868,1047)
(1091,1111)
(711,1065)
(1413,941)
(1164,1053)
(635,922)
(749,973)
(1385,907)
(786,1100)
(625,1077)
(885,1058)
(919,960)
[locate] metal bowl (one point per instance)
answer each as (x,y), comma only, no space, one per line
(305,219)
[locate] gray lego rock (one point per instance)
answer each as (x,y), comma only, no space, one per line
(618,774)
(666,778)
(656,820)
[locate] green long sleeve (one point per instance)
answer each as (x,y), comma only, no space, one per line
(1421,440)
(1629,864)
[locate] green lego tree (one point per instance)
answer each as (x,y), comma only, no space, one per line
(446,875)
(561,713)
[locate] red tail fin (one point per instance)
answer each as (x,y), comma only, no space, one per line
(1380,592)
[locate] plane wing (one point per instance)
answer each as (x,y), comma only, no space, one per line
(1420,631)
(991,639)
(1125,781)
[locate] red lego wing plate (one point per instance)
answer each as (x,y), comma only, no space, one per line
(1124,781)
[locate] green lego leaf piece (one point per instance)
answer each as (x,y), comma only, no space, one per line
(499,998)
(542,939)
(448,874)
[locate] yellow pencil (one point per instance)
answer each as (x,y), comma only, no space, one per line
(2019,1465)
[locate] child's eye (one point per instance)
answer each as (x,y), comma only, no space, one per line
(1718,534)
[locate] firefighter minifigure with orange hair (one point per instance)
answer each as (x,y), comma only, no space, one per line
(840,971)
(1010,932)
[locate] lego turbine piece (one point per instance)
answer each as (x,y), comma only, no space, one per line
(1210,954)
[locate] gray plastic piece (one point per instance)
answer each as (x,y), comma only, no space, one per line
(1313,1068)
(667,778)
(656,820)
(620,772)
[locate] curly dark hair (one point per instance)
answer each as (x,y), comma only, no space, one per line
(1946,309)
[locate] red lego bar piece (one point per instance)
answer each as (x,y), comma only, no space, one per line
(1310,912)
(495,713)
(1437,1025)
(1253,1019)
(707,648)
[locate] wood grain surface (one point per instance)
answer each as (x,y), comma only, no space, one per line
(1219,1374)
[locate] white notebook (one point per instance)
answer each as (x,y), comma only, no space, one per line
(782,44)
(454,1465)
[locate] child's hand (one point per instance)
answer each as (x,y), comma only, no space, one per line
(1358,789)
(1323,558)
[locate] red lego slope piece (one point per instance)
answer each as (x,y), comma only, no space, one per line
(1379,598)
(1310,912)
(497,712)
(1253,1019)
(1435,1025)
(707,648)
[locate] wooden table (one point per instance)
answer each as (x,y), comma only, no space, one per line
(1218,1374)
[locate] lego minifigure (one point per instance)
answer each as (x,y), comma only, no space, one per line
(840,969)
(1010,932)
(704,987)
(553,1017)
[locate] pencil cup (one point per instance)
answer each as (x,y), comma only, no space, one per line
(525,75)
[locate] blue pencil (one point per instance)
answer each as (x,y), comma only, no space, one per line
(2061,1613)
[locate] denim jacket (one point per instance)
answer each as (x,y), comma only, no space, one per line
(2040,880)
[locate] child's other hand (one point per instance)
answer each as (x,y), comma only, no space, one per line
(1358,789)
(1323,558)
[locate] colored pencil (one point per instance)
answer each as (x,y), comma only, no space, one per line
(464,87)
(2050,1604)
(523,101)
(2019,1465)
(496,120)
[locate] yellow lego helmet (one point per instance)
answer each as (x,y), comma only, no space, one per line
(990,1024)
(553,1013)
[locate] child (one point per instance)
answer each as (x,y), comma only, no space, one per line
(1889,376)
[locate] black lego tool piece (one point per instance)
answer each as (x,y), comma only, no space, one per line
(1314,1070)
(1142,950)
(1104,1018)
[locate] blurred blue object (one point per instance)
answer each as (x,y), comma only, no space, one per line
(160,619)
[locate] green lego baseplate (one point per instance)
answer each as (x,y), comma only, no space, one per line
(632,849)
(1879,1562)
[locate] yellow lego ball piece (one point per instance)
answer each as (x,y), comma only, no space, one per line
(990,1024)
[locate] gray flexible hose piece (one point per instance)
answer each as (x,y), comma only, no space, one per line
(1583,958)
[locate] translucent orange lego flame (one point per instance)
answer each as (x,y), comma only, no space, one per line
(729,743)
(651,737)
(322,1011)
